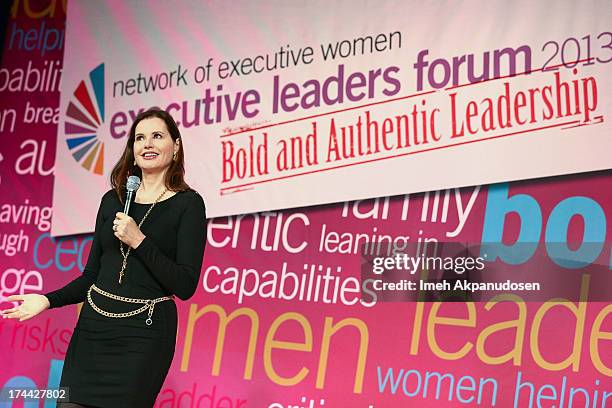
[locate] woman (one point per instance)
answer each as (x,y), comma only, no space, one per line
(122,346)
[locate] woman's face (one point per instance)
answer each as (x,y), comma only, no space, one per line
(153,145)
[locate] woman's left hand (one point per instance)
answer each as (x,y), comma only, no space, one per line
(127,231)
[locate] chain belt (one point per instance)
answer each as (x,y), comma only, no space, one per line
(148,304)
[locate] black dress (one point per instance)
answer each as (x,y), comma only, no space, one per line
(113,362)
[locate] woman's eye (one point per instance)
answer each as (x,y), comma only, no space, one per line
(139,138)
(157,135)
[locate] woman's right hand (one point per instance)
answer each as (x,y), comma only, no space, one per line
(31,305)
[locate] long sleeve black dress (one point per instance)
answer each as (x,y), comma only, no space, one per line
(112,362)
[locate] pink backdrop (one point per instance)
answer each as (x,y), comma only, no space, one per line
(385,355)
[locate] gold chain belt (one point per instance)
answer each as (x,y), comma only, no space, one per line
(148,304)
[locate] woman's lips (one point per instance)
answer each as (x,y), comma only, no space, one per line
(150,156)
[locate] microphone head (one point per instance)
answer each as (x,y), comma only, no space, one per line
(133,182)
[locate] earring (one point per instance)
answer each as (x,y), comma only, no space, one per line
(174,157)
(134,162)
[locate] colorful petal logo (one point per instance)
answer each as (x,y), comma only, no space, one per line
(84,117)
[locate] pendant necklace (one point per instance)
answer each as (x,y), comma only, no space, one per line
(124,253)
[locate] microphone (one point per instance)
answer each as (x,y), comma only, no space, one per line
(133,182)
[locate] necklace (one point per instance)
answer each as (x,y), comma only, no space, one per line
(126,254)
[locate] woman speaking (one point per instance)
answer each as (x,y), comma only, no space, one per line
(124,340)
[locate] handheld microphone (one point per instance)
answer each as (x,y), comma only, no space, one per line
(133,182)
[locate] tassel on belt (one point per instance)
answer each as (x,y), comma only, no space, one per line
(149,304)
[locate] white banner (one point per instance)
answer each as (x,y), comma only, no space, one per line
(289,104)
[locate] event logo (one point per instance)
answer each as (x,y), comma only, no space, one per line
(84,117)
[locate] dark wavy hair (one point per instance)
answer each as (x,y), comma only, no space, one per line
(125,167)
